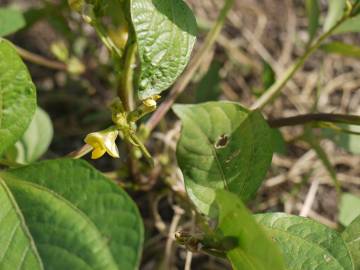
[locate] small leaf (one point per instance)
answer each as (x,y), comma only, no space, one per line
(103,203)
(222,146)
(268,75)
(11,20)
(254,249)
(351,25)
(313,14)
(351,236)
(17,96)
(348,141)
(35,141)
(344,49)
(165,32)
(349,208)
(307,244)
(336,10)
(18,249)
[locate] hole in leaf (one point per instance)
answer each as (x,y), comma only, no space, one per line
(222,142)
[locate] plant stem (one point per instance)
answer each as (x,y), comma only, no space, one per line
(40,60)
(126,91)
(316,117)
(275,90)
(185,79)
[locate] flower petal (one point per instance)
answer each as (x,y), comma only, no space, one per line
(98,153)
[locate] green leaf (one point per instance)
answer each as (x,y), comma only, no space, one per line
(307,244)
(17,250)
(336,10)
(349,208)
(352,238)
(313,14)
(11,20)
(208,89)
(35,141)
(341,48)
(278,141)
(348,141)
(254,249)
(268,75)
(17,96)
(64,236)
(165,32)
(222,146)
(101,201)
(351,25)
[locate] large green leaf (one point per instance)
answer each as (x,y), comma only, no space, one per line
(64,236)
(11,20)
(349,208)
(336,9)
(307,244)
(222,146)
(165,32)
(17,248)
(254,249)
(106,206)
(35,141)
(352,238)
(17,96)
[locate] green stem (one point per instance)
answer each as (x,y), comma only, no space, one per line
(183,82)
(275,90)
(126,89)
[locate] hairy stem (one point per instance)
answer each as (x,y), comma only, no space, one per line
(316,117)
(184,80)
(276,89)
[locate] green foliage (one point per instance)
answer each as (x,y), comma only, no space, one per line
(313,14)
(34,142)
(208,89)
(351,25)
(346,137)
(351,236)
(349,208)
(307,244)
(341,48)
(253,249)
(336,10)
(18,250)
(222,146)
(17,96)
(76,216)
(165,34)
(11,20)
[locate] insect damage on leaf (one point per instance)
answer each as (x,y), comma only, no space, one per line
(222,142)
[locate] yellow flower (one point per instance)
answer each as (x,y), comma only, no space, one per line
(103,142)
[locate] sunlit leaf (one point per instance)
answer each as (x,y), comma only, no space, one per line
(17,96)
(307,244)
(253,249)
(165,32)
(222,146)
